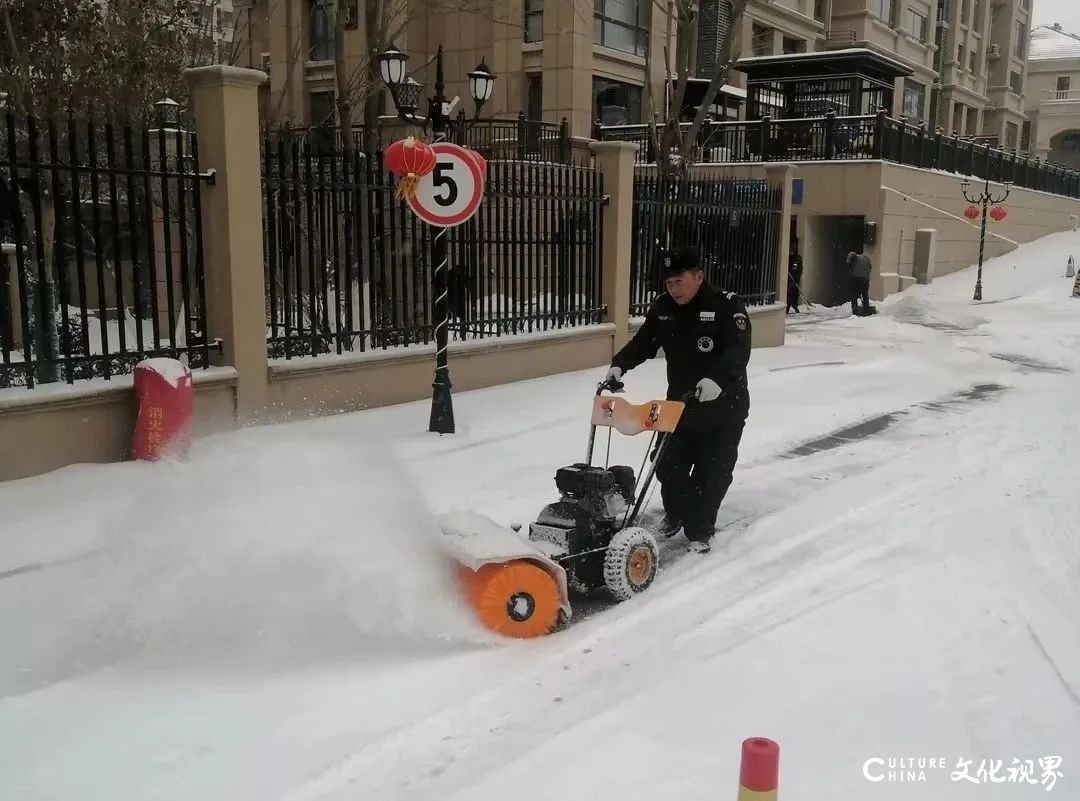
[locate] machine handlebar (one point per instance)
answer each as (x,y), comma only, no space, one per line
(614,386)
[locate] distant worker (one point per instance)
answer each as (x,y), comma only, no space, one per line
(705,335)
(794,278)
(859,269)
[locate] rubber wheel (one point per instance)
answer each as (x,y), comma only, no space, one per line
(514,599)
(630,563)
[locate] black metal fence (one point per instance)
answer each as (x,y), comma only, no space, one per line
(517,138)
(734,222)
(348,265)
(101,239)
(866,137)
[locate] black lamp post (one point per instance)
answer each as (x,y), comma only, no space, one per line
(983,199)
(406,94)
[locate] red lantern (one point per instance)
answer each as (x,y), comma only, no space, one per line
(481,162)
(971,212)
(998,213)
(410,159)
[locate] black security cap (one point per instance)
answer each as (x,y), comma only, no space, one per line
(678,260)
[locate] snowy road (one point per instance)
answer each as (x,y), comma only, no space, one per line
(901,580)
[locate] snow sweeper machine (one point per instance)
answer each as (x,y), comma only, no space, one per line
(587,541)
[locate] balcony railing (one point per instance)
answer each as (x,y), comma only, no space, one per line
(857,138)
(1061,95)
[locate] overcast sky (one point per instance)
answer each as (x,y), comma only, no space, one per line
(1067,12)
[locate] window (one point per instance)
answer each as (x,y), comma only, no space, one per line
(535,96)
(352,14)
(1064,82)
(1025,137)
(819,10)
(794,46)
(973,61)
(320,31)
(960,55)
(976,20)
(885,9)
(762,40)
(616,103)
(914,100)
(917,25)
(1016,82)
(534,20)
(621,24)
(1019,40)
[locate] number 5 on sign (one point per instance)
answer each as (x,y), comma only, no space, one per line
(451,193)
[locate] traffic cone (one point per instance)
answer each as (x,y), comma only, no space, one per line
(759,773)
(1070,270)
(1076,287)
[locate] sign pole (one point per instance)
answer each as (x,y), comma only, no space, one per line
(442,404)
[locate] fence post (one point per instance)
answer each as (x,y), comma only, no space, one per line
(766,136)
(782,174)
(225,102)
(615,162)
(565,148)
(878,150)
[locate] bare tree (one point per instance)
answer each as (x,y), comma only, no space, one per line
(108,60)
(684,16)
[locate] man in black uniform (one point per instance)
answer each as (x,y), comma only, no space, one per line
(705,334)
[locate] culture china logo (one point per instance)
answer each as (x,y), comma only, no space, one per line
(1043,771)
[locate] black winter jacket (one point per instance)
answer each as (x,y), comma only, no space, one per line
(707,338)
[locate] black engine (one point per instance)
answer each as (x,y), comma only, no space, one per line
(584,482)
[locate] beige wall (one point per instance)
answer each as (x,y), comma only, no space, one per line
(330,385)
(920,199)
(1031,215)
(48,428)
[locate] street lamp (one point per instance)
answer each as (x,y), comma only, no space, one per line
(983,199)
(406,91)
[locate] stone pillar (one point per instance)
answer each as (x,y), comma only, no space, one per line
(615,161)
(225,102)
(781,174)
(568,68)
(922,266)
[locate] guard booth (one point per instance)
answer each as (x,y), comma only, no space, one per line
(850,83)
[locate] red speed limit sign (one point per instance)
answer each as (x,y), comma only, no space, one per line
(451,193)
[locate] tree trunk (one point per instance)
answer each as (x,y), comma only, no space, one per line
(341,74)
(371,96)
(42,299)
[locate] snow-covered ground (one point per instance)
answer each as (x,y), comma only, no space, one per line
(272,621)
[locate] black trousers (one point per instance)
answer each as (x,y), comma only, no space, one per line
(695,472)
(860,288)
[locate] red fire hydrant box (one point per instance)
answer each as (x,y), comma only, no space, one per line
(165,398)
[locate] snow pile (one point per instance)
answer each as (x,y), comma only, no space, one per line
(171,370)
(259,550)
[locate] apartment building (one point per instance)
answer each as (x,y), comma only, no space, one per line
(580,59)
(1053,96)
(981,59)
(586,59)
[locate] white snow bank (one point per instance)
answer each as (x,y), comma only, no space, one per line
(295,547)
